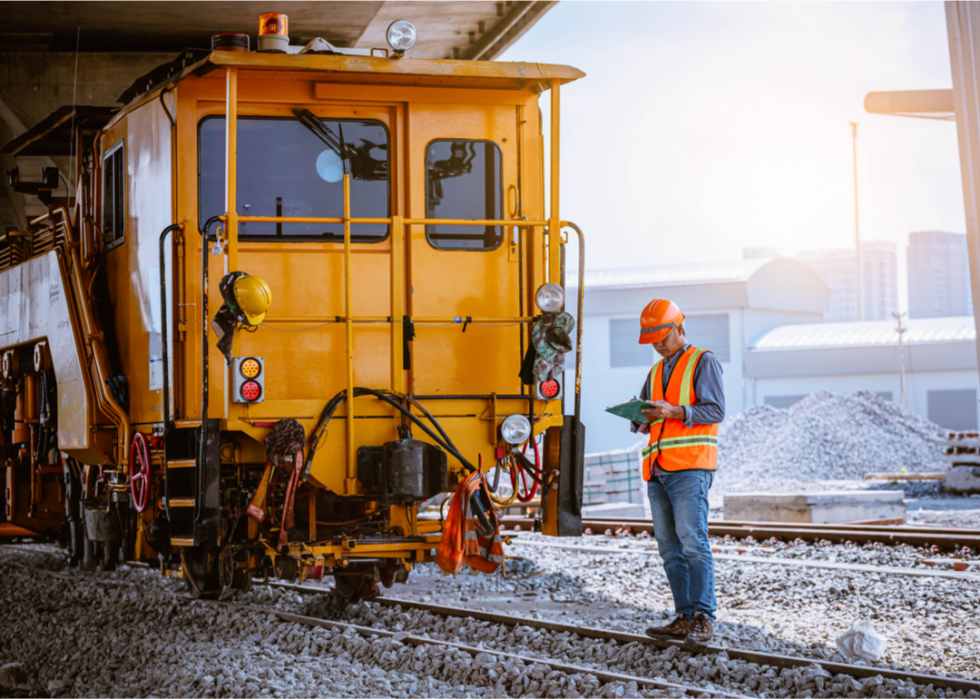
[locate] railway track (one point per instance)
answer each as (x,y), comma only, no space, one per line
(772,560)
(623,639)
(948,539)
(603,676)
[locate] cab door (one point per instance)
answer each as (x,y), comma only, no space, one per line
(463,165)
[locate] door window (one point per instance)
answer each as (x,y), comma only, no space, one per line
(113,196)
(463,181)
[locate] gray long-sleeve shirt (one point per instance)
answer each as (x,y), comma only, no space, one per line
(708,387)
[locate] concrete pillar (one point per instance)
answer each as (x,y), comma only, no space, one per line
(963,28)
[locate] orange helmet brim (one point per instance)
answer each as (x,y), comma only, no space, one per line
(650,338)
(657,333)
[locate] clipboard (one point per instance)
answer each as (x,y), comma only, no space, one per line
(631,410)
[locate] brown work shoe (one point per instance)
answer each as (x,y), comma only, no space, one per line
(701,628)
(678,628)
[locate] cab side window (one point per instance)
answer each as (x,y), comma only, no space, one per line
(113,196)
(463,180)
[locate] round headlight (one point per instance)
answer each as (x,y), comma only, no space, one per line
(516,429)
(401,35)
(550,298)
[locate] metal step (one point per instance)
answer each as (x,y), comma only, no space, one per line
(182,463)
(182,502)
(181,541)
(186,424)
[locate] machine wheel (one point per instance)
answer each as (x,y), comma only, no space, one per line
(233,570)
(140,472)
(201,571)
(287,569)
(355,587)
(393,571)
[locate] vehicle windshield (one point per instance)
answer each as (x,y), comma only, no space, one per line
(284,169)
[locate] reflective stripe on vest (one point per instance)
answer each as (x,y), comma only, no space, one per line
(674,446)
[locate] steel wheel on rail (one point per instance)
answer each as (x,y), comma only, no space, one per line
(201,571)
(233,569)
(140,472)
(354,587)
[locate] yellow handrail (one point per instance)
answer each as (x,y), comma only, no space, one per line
(407,221)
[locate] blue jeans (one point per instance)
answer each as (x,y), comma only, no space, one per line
(679,505)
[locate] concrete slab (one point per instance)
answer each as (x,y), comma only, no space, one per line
(963,479)
(614,510)
(817,508)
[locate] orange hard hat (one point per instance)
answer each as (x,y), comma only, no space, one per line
(658,319)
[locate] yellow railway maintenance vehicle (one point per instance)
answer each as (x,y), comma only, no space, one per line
(296,293)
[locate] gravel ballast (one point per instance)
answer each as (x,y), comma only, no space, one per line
(71,638)
(130,641)
(824,437)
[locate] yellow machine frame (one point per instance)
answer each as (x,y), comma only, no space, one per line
(267,84)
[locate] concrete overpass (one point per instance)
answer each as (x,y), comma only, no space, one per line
(117,42)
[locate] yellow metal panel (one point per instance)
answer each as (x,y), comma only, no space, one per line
(303,369)
(488,74)
(369,93)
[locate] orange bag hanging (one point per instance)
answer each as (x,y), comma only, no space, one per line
(463,542)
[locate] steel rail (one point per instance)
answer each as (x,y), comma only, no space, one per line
(843,526)
(664,643)
(776,560)
(289,617)
(945,540)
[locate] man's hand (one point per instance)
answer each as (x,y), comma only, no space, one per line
(662,410)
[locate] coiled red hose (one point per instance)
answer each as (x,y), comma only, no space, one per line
(529,495)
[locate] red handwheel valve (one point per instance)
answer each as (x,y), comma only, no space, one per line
(140,481)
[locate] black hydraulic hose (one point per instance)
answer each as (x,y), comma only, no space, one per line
(202,447)
(434,422)
(536,475)
(496,480)
(334,403)
(165,337)
(448,446)
(481,519)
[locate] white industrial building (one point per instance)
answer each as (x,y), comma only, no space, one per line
(763,319)
(941,382)
(728,306)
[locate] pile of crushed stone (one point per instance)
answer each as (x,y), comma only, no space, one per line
(826,436)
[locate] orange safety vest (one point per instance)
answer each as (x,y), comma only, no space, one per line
(462,542)
(672,444)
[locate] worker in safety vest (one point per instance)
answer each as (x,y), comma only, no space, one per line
(679,464)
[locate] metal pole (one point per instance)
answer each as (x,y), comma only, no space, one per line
(351,481)
(901,356)
(857,230)
(554,221)
(231,167)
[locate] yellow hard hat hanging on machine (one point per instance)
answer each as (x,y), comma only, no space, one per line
(253,296)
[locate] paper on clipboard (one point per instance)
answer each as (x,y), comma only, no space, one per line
(631,410)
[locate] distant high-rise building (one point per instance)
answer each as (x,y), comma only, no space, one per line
(939,275)
(879,280)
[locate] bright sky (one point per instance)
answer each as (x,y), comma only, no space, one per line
(703,128)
